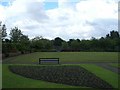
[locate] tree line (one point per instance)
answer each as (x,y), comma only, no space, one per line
(18,42)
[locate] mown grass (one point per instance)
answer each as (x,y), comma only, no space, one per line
(11,80)
(65,57)
(108,76)
(116,65)
(70,75)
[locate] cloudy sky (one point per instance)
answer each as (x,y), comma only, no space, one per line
(67,19)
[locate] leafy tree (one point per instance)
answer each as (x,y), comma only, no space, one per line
(36,44)
(69,42)
(0,30)
(58,41)
(3,32)
(65,46)
(75,45)
(85,45)
(24,44)
(15,35)
(47,44)
(113,34)
(0,37)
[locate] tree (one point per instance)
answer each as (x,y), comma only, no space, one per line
(0,37)
(3,32)
(38,43)
(113,34)
(58,43)
(75,45)
(15,35)
(65,46)
(85,45)
(69,42)
(0,29)
(24,43)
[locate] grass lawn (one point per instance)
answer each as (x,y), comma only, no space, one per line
(108,76)
(11,80)
(115,65)
(68,57)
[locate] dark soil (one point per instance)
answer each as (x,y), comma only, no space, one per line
(69,75)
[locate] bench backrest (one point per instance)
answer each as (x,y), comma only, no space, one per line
(48,60)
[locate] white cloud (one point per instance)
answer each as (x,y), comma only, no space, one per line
(98,9)
(73,19)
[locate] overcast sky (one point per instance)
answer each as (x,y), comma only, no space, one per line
(67,19)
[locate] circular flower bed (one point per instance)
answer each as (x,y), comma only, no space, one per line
(70,75)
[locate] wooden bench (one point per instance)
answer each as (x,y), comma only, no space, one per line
(41,60)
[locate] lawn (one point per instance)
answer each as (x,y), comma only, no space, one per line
(65,57)
(104,74)
(116,65)
(11,80)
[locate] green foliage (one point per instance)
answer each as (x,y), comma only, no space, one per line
(3,32)
(85,45)
(41,44)
(110,43)
(58,41)
(113,34)
(15,34)
(65,46)
(75,45)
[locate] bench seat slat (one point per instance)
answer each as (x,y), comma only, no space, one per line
(48,60)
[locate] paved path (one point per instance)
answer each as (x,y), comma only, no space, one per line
(107,66)
(102,64)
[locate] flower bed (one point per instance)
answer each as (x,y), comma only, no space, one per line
(69,75)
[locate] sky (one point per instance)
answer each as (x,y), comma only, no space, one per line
(68,19)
